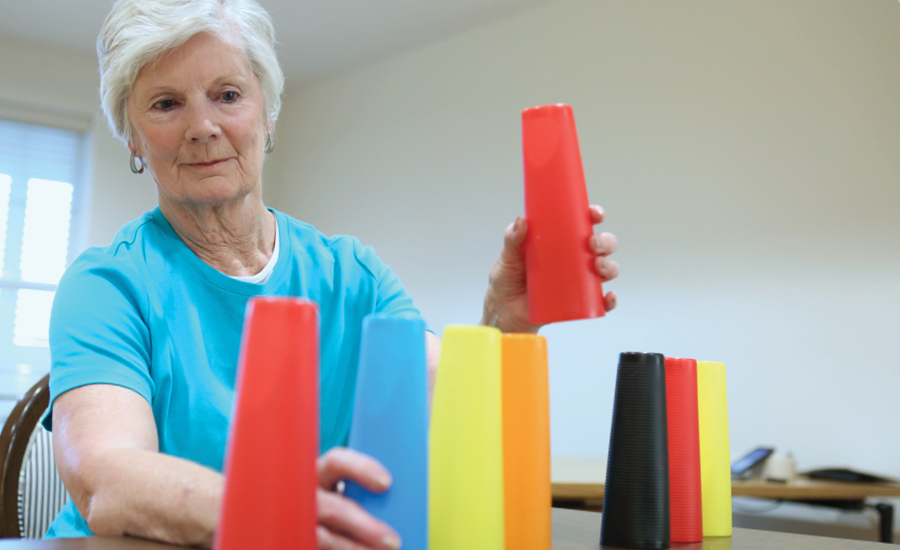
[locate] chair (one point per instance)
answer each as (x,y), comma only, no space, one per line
(31,492)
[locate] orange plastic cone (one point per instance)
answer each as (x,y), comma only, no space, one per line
(270,465)
(526,443)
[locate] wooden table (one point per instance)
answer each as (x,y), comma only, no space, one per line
(572,530)
(582,480)
(801,489)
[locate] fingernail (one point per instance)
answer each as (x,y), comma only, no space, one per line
(391,542)
(384,481)
(515,225)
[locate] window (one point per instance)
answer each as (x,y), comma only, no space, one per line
(41,187)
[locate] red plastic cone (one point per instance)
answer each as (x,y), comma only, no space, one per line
(684,450)
(562,282)
(270,466)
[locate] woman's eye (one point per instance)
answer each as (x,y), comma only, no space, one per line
(229,97)
(165,104)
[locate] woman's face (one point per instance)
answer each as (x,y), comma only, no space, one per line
(199,124)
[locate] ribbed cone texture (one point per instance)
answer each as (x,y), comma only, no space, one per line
(715,454)
(466,452)
(526,443)
(562,282)
(684,450)
(270,465)
(390,424)
(636,499)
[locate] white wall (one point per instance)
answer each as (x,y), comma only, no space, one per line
(746,153)
(48,85)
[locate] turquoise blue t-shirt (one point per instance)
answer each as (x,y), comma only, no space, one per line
(146,313)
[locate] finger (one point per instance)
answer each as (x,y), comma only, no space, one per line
(607,269)
(604,244)
(610,301)
(344,517)
(514,235)
(597,214)
(513,253)
(340,463)
(332,541)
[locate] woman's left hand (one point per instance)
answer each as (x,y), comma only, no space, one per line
(506,299)
(343,524)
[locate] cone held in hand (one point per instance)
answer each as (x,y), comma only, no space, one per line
(562,282)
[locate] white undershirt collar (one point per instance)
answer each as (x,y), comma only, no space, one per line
(263,275)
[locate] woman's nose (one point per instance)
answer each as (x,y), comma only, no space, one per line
(202,127)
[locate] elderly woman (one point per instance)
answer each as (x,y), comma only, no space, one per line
(145,332)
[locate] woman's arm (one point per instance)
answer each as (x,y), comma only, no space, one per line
(107,453)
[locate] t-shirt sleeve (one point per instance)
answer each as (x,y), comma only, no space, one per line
(98,328)
(391,296)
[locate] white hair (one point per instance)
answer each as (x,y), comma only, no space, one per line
(137,32)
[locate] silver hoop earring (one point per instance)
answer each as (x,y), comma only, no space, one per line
(136,163)
(270,144)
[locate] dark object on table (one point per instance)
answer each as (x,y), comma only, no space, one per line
(886,522)
(636,509)
(848,475)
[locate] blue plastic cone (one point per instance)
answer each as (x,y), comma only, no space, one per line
(390,424)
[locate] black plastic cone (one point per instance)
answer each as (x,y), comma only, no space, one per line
(636,500)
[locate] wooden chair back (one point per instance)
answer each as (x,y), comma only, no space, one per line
(31,493)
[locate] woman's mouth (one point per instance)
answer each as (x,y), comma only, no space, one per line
(208,164)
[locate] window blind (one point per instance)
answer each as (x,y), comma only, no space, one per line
(40,173)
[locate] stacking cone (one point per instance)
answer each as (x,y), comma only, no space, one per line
(636,499)
(715,454)
(684,450)
(466,451)
(270,465)
(390,424)
(526,443)
(562,282)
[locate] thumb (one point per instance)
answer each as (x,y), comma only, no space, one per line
(513,241)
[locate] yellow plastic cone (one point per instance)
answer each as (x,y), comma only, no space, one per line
(526,443)
(715,456)
(466,448)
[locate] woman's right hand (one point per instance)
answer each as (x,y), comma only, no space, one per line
(343,524)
